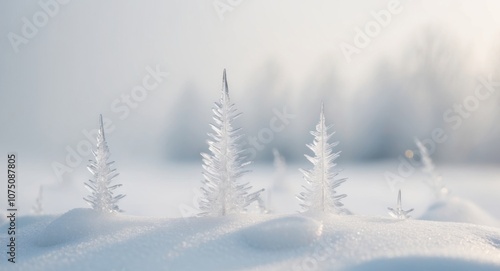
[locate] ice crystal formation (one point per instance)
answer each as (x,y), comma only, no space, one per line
(320,192)
(101,198)
(279,180)
(279,163)
(399,213)
(434,180)
(37,208)
(222,192)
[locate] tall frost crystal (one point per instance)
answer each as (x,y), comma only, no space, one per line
(434,180)
(320,194)
(222,194)
(102,198)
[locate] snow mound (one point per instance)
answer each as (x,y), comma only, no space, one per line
(75,225)
(90,241)
(455,209)
(283,233)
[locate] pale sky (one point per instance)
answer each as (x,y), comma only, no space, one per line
(91,53)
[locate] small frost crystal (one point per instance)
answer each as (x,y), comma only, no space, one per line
(399,213)
(320,194)
(279,171)
(434,180)
(279,183)
(222,193)
(37,209)
(102,198)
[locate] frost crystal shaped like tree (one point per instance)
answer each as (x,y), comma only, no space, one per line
(102,199)
(320,194)
(434,180)
(222,194)
(399,213)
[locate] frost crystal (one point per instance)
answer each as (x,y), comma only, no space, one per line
(399,213)
(434,180)
(279,163)
(37,209)
(222,193)
(320,194)
(101,198)
(279,181)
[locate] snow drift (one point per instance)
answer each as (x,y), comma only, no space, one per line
(456,209)
(283,233)
(77,224)
(82,239)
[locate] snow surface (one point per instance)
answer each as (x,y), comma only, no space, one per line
(456,209)
(283,233)
(82,239)
(151,235)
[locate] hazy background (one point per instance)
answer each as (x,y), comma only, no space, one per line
(277,54)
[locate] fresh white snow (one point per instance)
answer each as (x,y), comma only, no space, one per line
(283,233)
(152,235)
(83,239)
(456,209)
